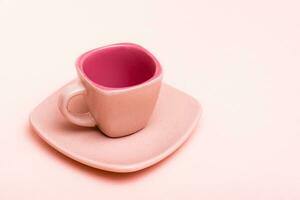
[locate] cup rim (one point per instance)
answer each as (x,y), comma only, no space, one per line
(157,76)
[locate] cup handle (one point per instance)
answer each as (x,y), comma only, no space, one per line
(74,89)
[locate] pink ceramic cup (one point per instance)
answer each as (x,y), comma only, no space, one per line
(120,84)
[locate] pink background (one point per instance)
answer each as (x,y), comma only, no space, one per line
(241,59)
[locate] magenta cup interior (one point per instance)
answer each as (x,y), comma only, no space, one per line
(119,66)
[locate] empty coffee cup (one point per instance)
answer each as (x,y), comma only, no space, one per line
(120,84)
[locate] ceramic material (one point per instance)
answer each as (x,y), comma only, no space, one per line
(172,122)
(120,84)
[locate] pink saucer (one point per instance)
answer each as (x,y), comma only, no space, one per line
(174,118)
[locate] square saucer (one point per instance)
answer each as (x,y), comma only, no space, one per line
(174,118)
